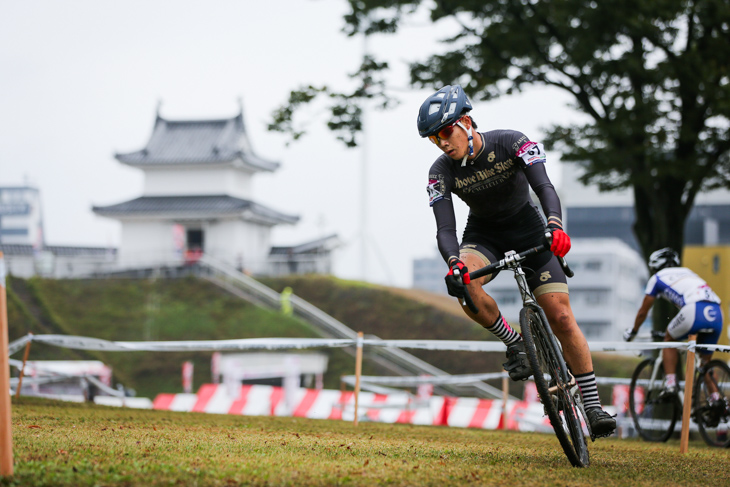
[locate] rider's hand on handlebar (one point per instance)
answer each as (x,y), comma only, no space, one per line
(561,240)
(457,278)
(629,334)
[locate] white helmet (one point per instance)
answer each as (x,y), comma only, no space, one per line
(662,258)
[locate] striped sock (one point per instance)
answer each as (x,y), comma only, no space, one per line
(503,331)
(589,390)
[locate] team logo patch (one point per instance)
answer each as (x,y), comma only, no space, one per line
(531,153)
(435,190)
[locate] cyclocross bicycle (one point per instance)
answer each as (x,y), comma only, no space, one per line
(655,412)
(556,386)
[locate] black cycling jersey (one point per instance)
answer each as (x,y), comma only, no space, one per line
(495,185)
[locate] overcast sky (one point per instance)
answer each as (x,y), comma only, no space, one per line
(81,80)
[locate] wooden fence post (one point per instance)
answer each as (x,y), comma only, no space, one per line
(22,369)
(6,437)
(358,371)
(689,378)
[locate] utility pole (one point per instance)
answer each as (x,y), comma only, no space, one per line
(364,183)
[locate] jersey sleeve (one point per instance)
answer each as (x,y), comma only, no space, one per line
(651,286)
(439,198)
(448,243)
(530,156)
(540,183)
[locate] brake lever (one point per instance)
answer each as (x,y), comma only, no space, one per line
(466,299)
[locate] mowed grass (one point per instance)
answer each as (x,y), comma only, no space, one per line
(77,444)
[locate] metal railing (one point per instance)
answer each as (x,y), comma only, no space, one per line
(392,359)
(228,277)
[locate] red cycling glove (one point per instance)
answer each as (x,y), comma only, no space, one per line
(561,242)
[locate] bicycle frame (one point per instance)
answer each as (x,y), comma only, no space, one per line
(558,390)
(699,372)
(512,262)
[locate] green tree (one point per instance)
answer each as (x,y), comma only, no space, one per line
(652,76)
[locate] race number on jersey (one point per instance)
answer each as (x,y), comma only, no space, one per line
(531,153)
(435,189)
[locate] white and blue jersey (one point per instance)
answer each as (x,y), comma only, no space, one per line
(699,306)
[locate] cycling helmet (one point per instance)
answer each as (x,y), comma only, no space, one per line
(443,108)
(662,258)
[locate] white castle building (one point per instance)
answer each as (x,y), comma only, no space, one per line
(197,198)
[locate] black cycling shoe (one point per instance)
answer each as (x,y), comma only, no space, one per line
(517,366)
(714,413)
(668,394)
(602,424)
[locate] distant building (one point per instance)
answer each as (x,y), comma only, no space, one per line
(197,198)
(307,258)
(23,245)
(21,221)
(592,214)
(428,274)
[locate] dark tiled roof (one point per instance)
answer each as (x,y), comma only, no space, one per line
(58,250)
(197,142)
(191,207)
(322,244)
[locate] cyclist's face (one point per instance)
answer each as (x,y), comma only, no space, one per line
(453,140)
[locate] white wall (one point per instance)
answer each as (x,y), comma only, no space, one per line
(146,242)
(197,181)
(234,241)
(242,244)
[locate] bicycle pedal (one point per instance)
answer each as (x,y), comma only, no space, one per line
(595,437)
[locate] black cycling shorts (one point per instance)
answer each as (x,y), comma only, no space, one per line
(489,240)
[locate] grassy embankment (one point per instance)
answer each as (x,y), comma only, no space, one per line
(66,444)
(192,309)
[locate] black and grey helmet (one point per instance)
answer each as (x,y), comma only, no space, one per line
(662,258)
(443,108)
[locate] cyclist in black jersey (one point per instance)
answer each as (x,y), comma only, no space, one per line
(492,172)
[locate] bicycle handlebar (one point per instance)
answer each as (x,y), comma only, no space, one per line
(496,266)
(501,264)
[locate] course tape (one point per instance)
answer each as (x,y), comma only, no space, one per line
(87,343)
(418,380)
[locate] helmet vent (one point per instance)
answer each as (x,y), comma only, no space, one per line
(433,108)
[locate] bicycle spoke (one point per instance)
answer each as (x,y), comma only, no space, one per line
(654,414)
(713,415)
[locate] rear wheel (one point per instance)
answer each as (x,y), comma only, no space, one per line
(654,415)
(713,417)
(557,393)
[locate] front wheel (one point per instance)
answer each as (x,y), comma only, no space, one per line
(654,414)
(558,391)
(713,416)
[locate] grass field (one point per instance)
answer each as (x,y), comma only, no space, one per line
(78,445)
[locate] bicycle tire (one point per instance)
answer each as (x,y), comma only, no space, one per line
(546,358)
(654,417)
(713,422)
